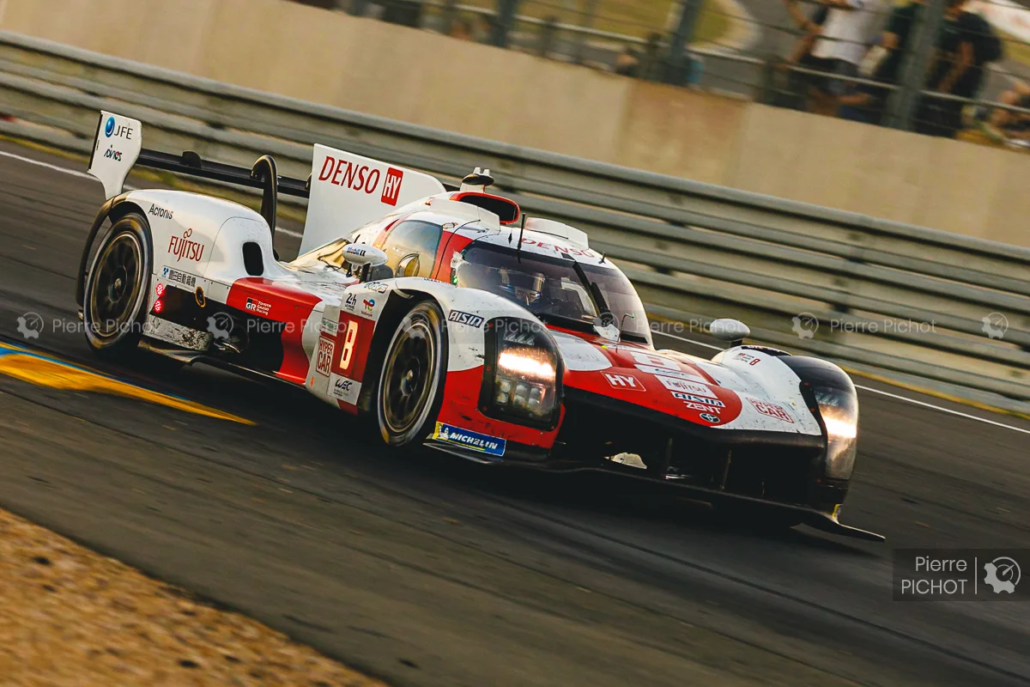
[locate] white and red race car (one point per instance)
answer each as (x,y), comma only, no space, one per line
(450,320)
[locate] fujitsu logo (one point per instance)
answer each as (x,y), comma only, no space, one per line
(182,247)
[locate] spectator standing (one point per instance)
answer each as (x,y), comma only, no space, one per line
(966,45)
(867,103)
(797,86)
(840,47)
(811,26)
(1009,124)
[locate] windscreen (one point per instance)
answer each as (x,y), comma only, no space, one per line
(551,288)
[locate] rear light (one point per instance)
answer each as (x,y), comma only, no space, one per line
(522,374)
(160,290)
(158,306)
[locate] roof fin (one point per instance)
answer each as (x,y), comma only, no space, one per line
(479,180)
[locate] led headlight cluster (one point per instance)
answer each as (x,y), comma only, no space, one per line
(839,411)
(521,376)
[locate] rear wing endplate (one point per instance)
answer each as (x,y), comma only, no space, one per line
(345,191)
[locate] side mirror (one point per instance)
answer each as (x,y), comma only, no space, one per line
(409,266)
(360,254)
(733,331)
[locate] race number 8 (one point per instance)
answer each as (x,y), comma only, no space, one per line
(348,345)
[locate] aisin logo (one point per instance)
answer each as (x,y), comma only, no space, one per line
(109,127)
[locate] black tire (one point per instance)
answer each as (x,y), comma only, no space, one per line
(411,381)
(117,289)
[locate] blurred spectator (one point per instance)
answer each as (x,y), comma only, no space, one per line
(796,95)
(966,45)
(1009,125)
(883,63)
(840,47)
(461,29)
(650,64)
(810,25)
(403,12)
(627,63)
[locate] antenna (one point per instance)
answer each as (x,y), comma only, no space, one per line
(522,232)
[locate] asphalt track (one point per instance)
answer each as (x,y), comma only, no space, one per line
(425,570)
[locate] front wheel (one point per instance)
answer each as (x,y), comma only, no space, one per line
(411,382)
(117,288)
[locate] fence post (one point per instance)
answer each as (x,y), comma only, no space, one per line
(450,13)
(547,34)
(504,22)
(676,57)
(903,102)
(581,38)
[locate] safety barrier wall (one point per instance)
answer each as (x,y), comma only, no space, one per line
(894,296)
(422,78)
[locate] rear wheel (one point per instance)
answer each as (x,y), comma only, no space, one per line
(411,382)
(116,290)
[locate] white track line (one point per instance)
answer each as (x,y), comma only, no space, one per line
(64,170)
(870,389)
(83,175)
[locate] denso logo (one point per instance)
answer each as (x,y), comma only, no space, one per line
(183,247)
(358,178)
(580,252)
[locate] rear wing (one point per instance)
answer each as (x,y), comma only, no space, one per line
(344,191)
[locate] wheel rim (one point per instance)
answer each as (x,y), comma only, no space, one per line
(408,378)
(116,286)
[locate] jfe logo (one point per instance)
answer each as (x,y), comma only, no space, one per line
(392,187)
(112,128)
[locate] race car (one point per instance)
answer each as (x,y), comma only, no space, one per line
(448,319)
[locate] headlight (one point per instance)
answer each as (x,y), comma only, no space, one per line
(521,373)
(839,411)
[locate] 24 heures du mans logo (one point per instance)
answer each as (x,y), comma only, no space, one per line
(184,247)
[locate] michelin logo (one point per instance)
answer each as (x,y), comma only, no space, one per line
(471,440)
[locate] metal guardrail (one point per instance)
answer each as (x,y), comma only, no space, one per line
(695,251)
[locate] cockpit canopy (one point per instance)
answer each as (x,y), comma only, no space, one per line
(554,289)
